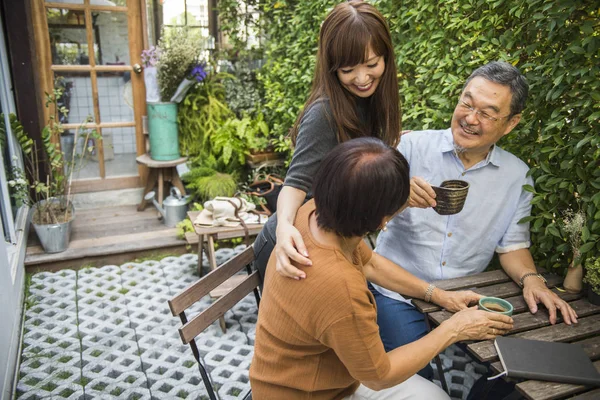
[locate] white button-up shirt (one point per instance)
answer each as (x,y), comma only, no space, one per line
(433,246)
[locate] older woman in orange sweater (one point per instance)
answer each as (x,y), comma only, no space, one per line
(319,339)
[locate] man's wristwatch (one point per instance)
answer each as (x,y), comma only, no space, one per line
(521,281)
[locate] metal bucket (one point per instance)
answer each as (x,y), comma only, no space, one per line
(54,237)
(163,131)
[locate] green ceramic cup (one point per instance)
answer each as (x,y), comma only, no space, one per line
(496,305)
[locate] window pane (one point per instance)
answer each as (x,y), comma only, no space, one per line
(68,38)
(77,96)
(115,96)
(111,33)
(119,151)
(174,12)
(197,12)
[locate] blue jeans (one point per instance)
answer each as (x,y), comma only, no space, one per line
(399,324)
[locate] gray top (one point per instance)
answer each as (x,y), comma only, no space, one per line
(317,136)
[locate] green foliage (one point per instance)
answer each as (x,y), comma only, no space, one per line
(2,132)
(208,180)
(183,227)
(238,20)
(29,187)
(180,51)
(592,273)
(243,93)
(293,27)
(201,113)
(237,137)
(555,43)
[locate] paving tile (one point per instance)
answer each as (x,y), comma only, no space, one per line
(107,333)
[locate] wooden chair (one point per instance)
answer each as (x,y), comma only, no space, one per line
(213,280)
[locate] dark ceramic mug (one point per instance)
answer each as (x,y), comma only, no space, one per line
(450,196)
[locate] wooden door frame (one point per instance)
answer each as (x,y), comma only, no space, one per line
(46,82)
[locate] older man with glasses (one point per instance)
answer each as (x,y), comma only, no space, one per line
(433,246)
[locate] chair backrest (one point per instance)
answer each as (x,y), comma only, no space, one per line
(240,289)
(181,302)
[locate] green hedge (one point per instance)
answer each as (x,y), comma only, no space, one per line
(556,45)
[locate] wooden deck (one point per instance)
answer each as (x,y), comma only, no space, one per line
(105,236)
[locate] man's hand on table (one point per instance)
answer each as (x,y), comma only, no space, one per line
(454,301)
(535,292)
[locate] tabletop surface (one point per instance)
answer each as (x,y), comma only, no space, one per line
(529,326)
(253,229)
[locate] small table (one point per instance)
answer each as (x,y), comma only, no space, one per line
(528,326)
(160,171)
(209,234)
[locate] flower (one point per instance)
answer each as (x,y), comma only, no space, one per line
(199,72)
(151,56)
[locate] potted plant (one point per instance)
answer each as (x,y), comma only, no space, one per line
(50,197)
(259,145)
(592,278)
(170,70)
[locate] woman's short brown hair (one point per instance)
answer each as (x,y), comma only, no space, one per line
(358,184)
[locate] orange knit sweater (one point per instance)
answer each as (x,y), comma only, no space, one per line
(317,338)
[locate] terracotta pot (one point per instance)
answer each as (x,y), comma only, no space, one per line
(574,279)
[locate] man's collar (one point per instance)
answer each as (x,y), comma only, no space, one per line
(447,145)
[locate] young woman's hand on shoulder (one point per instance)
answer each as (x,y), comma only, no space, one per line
(289,245)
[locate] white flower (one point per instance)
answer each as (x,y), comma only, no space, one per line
(21,181)
(11,183)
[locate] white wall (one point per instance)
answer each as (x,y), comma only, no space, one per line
(11,300)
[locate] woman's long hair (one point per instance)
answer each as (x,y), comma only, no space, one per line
(344,40)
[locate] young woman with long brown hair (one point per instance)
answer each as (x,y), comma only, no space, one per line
(354,94)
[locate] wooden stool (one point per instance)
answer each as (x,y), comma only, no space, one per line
(160,171)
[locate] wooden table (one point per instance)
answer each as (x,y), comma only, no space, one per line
(209,234)
(529,326)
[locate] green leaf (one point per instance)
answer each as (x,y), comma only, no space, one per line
(583,141)
(585,234)
(529,188)
(553,230)
(587,247)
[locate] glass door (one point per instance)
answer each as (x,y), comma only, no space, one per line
(90,49)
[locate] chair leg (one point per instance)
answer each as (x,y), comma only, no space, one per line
(222,324)
(438,362)
(200,251)
(207,382)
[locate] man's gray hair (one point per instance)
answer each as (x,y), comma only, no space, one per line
(505,74)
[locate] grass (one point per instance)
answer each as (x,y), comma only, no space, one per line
(154,257)
(30,300)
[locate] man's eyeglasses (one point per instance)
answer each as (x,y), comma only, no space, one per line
(480,114)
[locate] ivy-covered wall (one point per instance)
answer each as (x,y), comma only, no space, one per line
(556,45)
